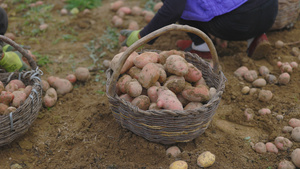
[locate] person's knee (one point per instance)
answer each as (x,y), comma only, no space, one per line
(3,21)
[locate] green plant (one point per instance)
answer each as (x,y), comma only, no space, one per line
(82,4)
(149,5)
(42,60)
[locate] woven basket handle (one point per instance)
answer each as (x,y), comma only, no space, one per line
(155,34)
(31,62)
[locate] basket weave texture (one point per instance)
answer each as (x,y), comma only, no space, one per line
(288,13)
(16,123)
(168,126)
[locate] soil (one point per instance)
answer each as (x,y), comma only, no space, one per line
(80,130)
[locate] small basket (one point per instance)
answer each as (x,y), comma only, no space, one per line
(288,12)
(168,126)
(16,123)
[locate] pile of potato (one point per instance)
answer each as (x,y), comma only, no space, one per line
(13,95)
(162,80)
(56,86)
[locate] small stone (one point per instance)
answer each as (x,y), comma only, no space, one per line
(206,159)
(245,90)
(287,129)
(16,166)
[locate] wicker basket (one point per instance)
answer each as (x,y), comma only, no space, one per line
(16,123)
(166,126)
(288,12)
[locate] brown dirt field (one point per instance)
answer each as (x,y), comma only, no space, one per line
(80,130)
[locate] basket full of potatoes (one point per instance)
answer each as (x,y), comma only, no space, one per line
(164,96)
(20,98)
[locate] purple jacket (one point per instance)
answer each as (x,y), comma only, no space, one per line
(205,10)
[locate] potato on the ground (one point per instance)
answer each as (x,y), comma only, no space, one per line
(260,82)
(143,59)
(264,111)
(114,6)
(148,16)
(51,80)
(168,100)
(199,93)
(50,97)
(179,165)
(250,75)
(206,159)
(19,98)
(296,157)
(193,105)
(248,113)
(176,65)
(173,151)
(271,79)
(283,143)
(175,83)
(271,147)
(284,78)
(45,85)
(133,88)
(157,6)
(82,74)
(149,75)
(287,129)
(296,134)
(142,102)
(260,147)
(239,73)
(294,122)
(136,10)
(265,95)
(133,25)
(71,78)
(284,164)
(263,71)
(62,86)
(194,74)
(165,54)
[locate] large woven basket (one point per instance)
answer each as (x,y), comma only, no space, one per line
(16,123)
(166,126)
(288,13)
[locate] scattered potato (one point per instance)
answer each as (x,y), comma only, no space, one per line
(114,6)
(136,10)
(284,78)
(284,164)
(239,73)
(265,95)
(248,114)
(294,65)
(62,86)
(179,165)
(133,25)
(82,74)
(287,129)
(173,151)
(245,90)
(71,78)
(50,97)
(206,159)
(279,44)
(260,147)
(148,16)
(201,81)
(264,111)
(296,134)
(260,82)
(250,75)
(157,6)
(283,143)
(271,79)
(294,122)
(270,147)
(263,71)
(296,157)
(295,51)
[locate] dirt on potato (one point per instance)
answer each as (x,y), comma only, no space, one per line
(80,130)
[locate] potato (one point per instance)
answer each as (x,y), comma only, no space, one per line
(45,85)
(245,90)
(168,100)
(71,78)
(122,81)
(51,80)
(62,86)
(27,90)
(134,72)
(179,165)
(117,21)
(250,75)
(294,65)
(270,147)
(50,98)
(296,157)
(271,79)
(260,147)
(263,71)
(11,87)
(248,114)
(3,108)
(9,109)
(206,159)
(194,74)
(19,98)
(279,44)
(152,93)
(133,25)
(19,83)
(283,143)
(287,129)
(142,102)
(114,6)
(284,78)
(296,134)
(193,105)
(294,122)
(264,111)
(148,16)
(6,97)
(124,9)
(126,97)
(177,65)
(286,67)
(182,100)
(173,151)
(265,95)
(128,63)
(212,92)
(1,87)
(82,74)
(239,73)
(284,164)
(136,10)
(201,81)
(165,54)
(196,94)
(153,106)
(175,83)
(157,6)
(149,75)
(260,82)
(295,51)
(133,88)
(143,59)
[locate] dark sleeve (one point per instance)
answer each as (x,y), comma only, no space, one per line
(169,13)
(3,21)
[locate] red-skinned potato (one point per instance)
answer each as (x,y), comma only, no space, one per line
(128,63)
(271,147)
(82,74)
(162,57)
(148,16)
(199,93)
(3,107)
(296,157)
(177,65)
(152,93)
(193,105)
(263,71)
(134,72)
(133,25)
(153,106)
(71,78)
(142,102)
(284,78)
(149,75)
(62,86)
(114,6)
(182,100)
(201,81)
(175,83)
(168,100)
(27,90)
(45,85)
(194,74)
(143,59)
(50,97)
(126,97)
(19,83)
(250,75)
(122,81)
(19,98)
(239,73)
(11,87)
(162,74)
(51,80)
(117,21)
(133,88)
(294,122)
(136,10)
(283,143)
(124,9)
(6,97)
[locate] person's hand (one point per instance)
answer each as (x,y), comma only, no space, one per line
(131,36)
(12,61)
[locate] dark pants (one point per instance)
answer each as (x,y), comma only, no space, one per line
(240,24)
(3,21)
